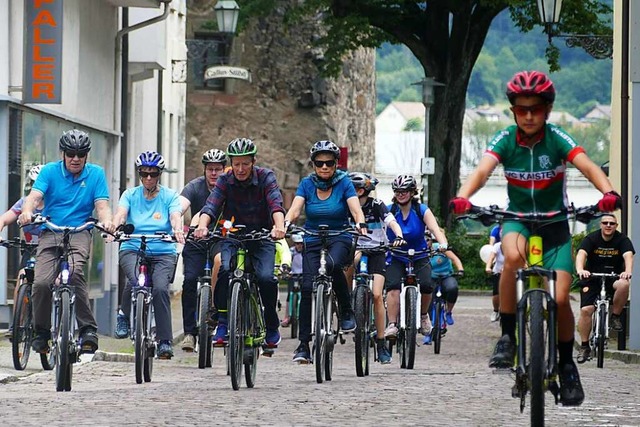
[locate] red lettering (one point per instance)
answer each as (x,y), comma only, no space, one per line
(38,3)
(37,56)
(43,71)
(37,37)
(39,90)
(536,251)
(45,18)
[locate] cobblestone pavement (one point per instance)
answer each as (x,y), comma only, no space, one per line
(454,388)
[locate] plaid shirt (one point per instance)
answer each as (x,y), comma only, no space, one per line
(252,203)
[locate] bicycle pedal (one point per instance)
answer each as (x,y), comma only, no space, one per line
(268,352)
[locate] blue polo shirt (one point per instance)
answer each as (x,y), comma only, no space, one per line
(69,200)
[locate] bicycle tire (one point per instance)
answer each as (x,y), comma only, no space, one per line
(253,329)
(602,333)
(332,325)
(411,329)
(204,337)
(237,330)
(139,344)
(360,307)
(22,328)
(319,334)
(149,346)
(63,341)
(401,348)
(437,327)
(537,351)
(293,317)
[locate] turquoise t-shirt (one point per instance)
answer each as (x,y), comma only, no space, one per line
(149,217)
(333,211)
(69,200)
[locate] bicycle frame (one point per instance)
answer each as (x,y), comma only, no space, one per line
(600,318)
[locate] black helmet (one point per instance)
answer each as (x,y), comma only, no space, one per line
(324,147)
(75,140)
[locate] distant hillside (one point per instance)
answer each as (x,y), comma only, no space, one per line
(581,83)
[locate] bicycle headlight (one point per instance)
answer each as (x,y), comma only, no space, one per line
(411,252)
(238,273)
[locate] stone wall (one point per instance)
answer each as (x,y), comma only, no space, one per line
(288,105)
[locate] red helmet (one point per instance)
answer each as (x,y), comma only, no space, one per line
(531,83)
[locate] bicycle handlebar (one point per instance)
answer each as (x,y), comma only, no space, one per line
(612,275)
(414,252)
(488,215)
(324,232)
(160,236)
(17,242)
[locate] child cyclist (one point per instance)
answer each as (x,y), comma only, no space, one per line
(378,218)
(534,154)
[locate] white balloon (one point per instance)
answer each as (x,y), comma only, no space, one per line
(485,252)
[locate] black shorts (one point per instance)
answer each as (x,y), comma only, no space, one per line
(377,262)
(590,290)
(396,271)
(494,281)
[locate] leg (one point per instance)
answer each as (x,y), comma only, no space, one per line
(128,263)
(378,304)
(263,257)
(337,259)
(161,275)
(620,296)
(80,246)
(194,259)
(44,276)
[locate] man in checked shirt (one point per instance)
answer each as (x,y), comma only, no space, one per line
(249,194)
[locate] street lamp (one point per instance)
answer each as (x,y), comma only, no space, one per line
(227,12)
(427,166)
(598,46)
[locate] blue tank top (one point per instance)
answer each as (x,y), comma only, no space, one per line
(413,228)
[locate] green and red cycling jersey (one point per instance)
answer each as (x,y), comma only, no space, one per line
(535,175)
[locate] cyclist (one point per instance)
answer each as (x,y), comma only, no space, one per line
(72,189)
(603,251)
(151,208)
(493,268)
(296,269)
(31,233)
(494,235)
(378,218)
(250,195)
(442,268)
(194,195)
(328,197)
(534,155)
(414,219)
(282,266)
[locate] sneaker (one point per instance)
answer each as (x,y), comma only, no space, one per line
(425,324)
(188,343)
(495,316)
(503,354)
(302,354)
(221,337)
(122,326)
(88,340)
(165,351)
(391,331)
(571,393)
(384,355)
(427,339)
(40,343)
(584,354)
(616,323)
(347,321)
(449,318)
(273,338)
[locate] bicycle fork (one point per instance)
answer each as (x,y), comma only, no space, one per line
(403,303)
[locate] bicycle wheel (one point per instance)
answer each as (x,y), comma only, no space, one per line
(537,351)
(319,334)
(237,333)
(63,343)
(361,308)
(139,337)
(411,330)
(436,333)
(602,333)
(332,339)
(22,328)
(251,354)
(149,340)
(204,337)
(294,304)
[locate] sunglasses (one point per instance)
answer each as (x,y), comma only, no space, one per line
(321,163)
(149,174)
(72,154)
(608,223)
(535,110)
(401,192)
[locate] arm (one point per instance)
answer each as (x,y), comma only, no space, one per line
(432,224)
(278,230)
(489,265)
(103,210)
(581,257)
(628,265)
(33,199)
(592,172)
(9,217)
(120,217)
(176,223)
(356,212)
(479,177)
(395,227)
(184,204)
(455,260)
(295,210)
(212,208)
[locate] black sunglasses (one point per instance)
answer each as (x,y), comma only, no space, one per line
(72,154)
(609,223)
(321,163)
(149,174)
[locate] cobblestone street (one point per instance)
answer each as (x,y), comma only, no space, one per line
(454,388)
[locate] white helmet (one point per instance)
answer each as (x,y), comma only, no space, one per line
(34,172)
(297,238)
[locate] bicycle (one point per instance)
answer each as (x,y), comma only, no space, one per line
(437,312)
(326,326)
(142,316)
(409,308)
(600,320)
(536,365)
(22,325)
(295,294)
(363,309)
(65,347)
(247,329)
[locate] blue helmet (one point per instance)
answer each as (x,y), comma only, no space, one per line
(150,159)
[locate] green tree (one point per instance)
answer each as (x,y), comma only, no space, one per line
(446,37)
(415,124)
(479,132)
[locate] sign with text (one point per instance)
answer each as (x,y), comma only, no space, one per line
(42,82)
(223,72)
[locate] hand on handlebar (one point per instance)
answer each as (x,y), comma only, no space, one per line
(583,274)
(626,276)
(179,235)
(399,241)
(610,202)
(25,218)
(459,205)
(200,232)
(278,233)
